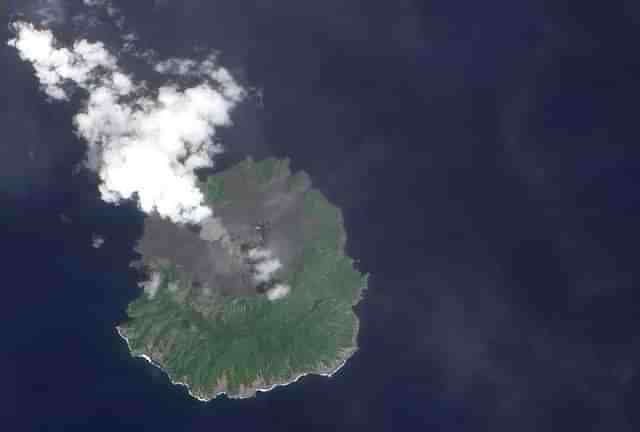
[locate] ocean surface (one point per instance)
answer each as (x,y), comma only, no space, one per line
(485,155)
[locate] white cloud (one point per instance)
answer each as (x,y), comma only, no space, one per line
(152,285)
(97,13)
(56,66)
(111,10)
(139,142)
(48,12)
(176,66)
(97,241)
(94,2)
(259,254)
(278,291)
(207,67)
(265,264)
(264,269)
(44,12)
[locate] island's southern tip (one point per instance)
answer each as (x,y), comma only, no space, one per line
(258,294)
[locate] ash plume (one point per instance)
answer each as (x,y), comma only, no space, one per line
(142,142)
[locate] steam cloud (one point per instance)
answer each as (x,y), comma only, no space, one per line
(141,142)
(152,285)
(265,265)
(278,291)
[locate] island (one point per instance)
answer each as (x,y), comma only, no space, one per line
(257,295)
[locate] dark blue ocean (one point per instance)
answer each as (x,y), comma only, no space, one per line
(486,157)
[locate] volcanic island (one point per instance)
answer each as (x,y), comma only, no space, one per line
(257,295)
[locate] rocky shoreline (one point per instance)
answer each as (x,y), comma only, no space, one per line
(246,392)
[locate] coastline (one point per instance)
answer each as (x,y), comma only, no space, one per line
(326,372)
(257,384)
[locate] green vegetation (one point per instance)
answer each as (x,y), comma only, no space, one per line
(298,182)
(213,190)
(215,343)
(266,170)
